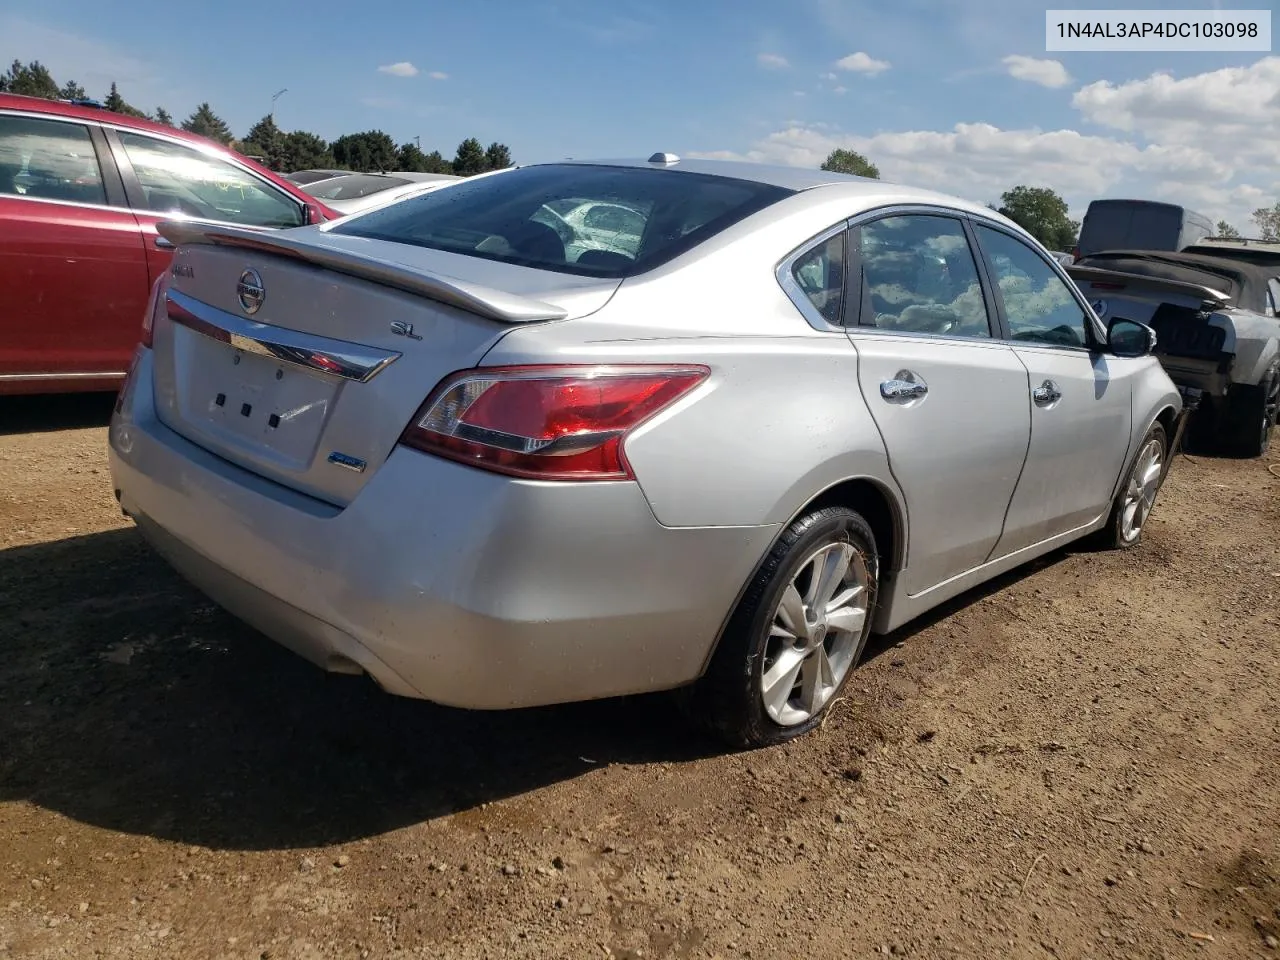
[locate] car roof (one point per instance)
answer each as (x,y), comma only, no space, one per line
(800,179)
(73,111)
(790,178)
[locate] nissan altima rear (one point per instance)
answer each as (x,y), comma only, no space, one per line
(491,460)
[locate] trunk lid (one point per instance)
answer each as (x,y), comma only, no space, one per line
(1183,314)
(311,377)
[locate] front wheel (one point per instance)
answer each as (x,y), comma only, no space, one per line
(796,634)
(1137,497)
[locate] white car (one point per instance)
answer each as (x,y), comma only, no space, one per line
(433,444)
(357,192)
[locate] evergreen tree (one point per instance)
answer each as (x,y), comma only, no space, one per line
(31,80)
(497,157)
(470,158)
(205,123)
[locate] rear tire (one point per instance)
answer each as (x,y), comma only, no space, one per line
(796,635)
(1137,495)
(1251,415)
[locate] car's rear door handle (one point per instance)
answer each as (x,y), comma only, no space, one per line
(904,387)
(1046,394)
(162,243)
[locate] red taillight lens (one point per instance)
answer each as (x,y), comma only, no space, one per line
(546,423)
(155,303)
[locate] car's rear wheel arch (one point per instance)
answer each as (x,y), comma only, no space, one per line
(876,504)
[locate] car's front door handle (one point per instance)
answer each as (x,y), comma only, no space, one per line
(1046,394)
(162,243)
(903,388)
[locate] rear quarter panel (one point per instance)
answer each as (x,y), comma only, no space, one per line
(1257,345)
(780,420)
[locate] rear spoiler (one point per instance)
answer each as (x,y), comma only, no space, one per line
(1210,298)
(482,301)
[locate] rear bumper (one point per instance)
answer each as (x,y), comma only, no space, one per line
(1210,376)
(441,581)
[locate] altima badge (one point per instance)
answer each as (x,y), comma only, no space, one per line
(348,461)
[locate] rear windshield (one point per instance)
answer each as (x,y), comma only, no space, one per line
(311,176)
(353,187)
(588,220)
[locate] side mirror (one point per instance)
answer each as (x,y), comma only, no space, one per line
(312,214)
(1129,338)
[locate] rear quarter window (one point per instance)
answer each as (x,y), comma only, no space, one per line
(573,218)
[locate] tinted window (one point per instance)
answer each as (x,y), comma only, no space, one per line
(311,176)
(920,276)
(178,179)
(1037,302)
(820,274)
(530,216)
(49,160)
(352,188)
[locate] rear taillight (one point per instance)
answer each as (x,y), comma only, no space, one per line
(155,303)
(546,422)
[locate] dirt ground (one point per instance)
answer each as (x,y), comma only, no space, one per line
(1081,761)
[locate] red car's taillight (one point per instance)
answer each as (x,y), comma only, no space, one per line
(155,303)
(546,422)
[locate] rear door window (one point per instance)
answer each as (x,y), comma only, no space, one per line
(49,160)
(585,219)
(920,276)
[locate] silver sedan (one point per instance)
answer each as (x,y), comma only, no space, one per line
(441,445)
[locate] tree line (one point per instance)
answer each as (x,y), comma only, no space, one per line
(281,150)
(1042,212)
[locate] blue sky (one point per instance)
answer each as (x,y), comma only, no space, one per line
(950,94)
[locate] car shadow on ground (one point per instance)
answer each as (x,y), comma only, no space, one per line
(130,702)
(45,414)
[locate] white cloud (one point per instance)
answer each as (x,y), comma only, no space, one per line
(1047,73)
(1234,105)
(829,76)
(402,69)
(772,61)
(839,89)
(1207,141)
(438,75)
(862,63)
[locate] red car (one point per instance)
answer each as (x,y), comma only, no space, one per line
(81,192)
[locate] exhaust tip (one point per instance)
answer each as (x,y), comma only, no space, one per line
(337,663)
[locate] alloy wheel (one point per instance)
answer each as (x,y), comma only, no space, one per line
(815,633)
(1140,492)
